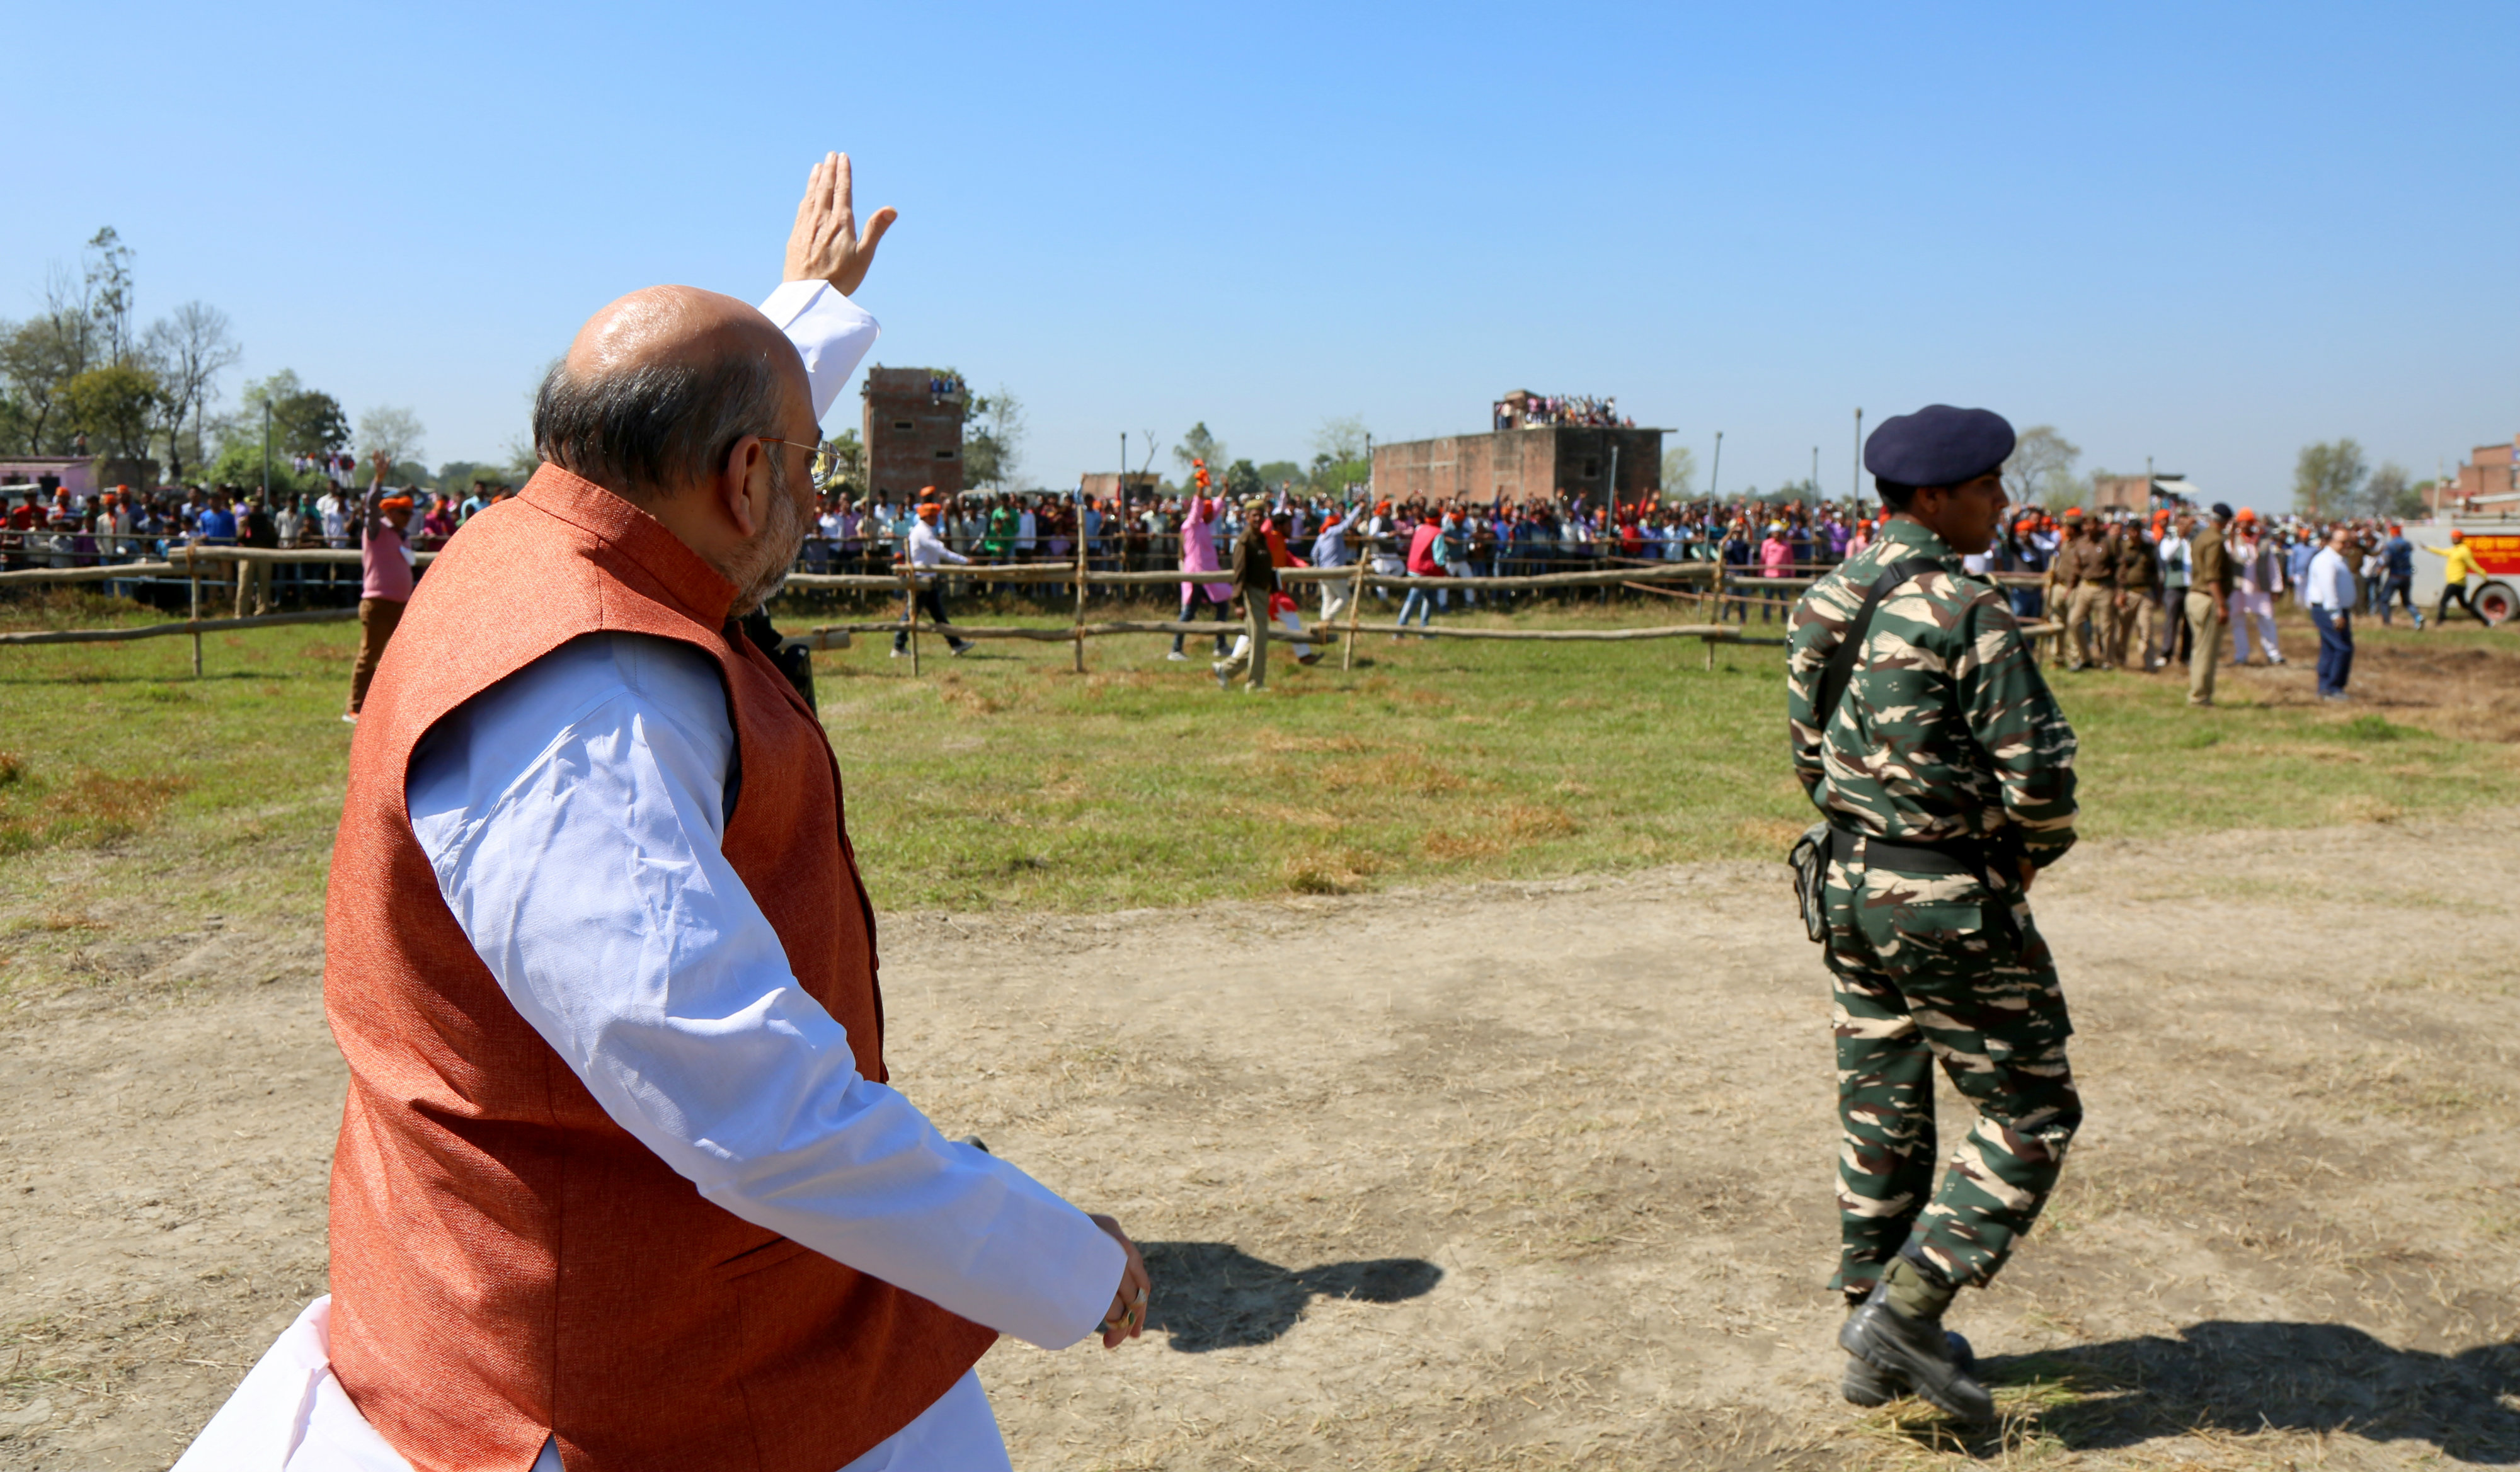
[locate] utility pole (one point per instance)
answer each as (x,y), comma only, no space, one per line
(266,452)
(1715,473)
(1815,474)
(1855,493)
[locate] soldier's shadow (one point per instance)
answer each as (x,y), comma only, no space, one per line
(2253,1377)
(1215,1296)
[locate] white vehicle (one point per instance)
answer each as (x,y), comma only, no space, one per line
(2496,542)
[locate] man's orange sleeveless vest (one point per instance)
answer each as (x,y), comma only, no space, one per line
(509,1262)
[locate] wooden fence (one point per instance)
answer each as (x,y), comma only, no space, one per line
(1706,583)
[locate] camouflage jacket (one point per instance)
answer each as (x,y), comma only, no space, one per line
(1947,729)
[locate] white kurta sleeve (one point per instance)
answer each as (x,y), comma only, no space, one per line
(832,333)
(573,817)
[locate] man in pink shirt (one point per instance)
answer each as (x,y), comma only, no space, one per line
(1199,555)
(1775,560)
(385,585)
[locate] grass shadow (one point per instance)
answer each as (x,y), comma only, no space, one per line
(2241,1378)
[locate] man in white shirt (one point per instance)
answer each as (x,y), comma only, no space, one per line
(580,817)
(925,550)
(334,514)
(2329,588)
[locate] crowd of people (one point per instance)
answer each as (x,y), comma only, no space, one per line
(2144,591)
(1551,411)
(2117,580)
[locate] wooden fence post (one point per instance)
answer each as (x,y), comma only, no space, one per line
(195,619)
(1080,588)
(910,611)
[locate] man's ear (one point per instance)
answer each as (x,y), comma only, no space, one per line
(734,483)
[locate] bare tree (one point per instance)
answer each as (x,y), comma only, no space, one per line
(2041,468)
(396,432)
(109,290)
(188,349)
(1679,473)
(1342,439)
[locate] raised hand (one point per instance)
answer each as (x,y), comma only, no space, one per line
(826,244)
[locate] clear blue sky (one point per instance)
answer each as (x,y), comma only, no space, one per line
(2206,234)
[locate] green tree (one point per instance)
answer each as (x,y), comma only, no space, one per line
(844,463)
(239,463)
(457,475)
(2391,493)
(116,405)
(1241,479)
(1200,445)
(37,357)
(1278,472)
(2327,479)
(303,421)
(993,438)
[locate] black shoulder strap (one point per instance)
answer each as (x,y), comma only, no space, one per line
(1835,674)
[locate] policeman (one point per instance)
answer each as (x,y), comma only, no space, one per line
(1946,774)
(2139,568)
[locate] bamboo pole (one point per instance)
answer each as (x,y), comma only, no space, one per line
(1355,612)
(193,626)
(1083,574)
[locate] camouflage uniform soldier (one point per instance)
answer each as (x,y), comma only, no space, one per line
(1946,775)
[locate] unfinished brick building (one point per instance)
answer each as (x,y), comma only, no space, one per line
(914,430)
(1529,457)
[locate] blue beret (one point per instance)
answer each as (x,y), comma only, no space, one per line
(1938,445)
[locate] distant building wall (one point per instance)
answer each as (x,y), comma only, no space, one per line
(1102,485)
(914,430)
(1522,465)
(76,474)
(2122,493)
(2491,471)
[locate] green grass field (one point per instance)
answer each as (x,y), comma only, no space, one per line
(1001,779)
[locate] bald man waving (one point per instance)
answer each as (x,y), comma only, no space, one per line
(621,1182)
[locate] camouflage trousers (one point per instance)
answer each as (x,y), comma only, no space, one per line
(1932,967)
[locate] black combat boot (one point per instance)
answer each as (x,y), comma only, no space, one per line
(1914,1348)
(1863,1385)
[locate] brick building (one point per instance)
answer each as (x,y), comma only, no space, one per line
(2489,482)
(1527,457)
(914,430)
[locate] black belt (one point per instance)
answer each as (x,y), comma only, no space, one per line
(1964,856)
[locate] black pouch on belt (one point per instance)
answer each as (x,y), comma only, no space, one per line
(1810,859)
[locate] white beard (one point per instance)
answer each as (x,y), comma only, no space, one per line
(772,556)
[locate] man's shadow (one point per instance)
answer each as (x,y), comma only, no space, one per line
(1215,1296)
(2249,1377)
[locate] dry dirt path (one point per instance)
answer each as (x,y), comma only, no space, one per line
(1505,1176)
